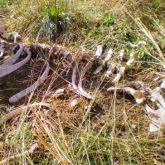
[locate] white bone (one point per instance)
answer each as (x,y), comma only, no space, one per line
(121,55)
(138,44)
(162,85)
(157,119)
(157,97)
(108,56)
(15,35)
(131,59)
(79,88)
(120,73)
(60,90)
(99,50)
(130,91)
(153,127)
(5,70)
(82,74)
(111,67)
(11,60)
(74,103)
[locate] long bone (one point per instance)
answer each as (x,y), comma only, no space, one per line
(11,60)
(31,88)
(139,95)
(5,70)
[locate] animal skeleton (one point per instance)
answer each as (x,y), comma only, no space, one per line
(106,64)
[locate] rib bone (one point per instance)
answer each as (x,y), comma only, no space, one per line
(5,70)
(14,57)
(88,65)
(79,88)
(32,88)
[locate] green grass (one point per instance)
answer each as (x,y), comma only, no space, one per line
(4,3)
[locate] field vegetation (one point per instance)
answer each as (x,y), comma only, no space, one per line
(109,129)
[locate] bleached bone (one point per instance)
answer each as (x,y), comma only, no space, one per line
(82,74)
(5,70)
(157,97)
(15,36)
(131,59)
(157,118)
(32,88)
(108,56)
(158,115)
(73,103)
(138,44)
(47,46)
(60,90)
(17,111)
(2,47)
(99,51)
(74,72)
(106,59)
(79,88)
(111,68)
(112,89)
(120,73)
(2,51)
(162,85)
(11,60)
(121,55)
(139,95)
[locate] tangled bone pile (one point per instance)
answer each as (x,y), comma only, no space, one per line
(109,65)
